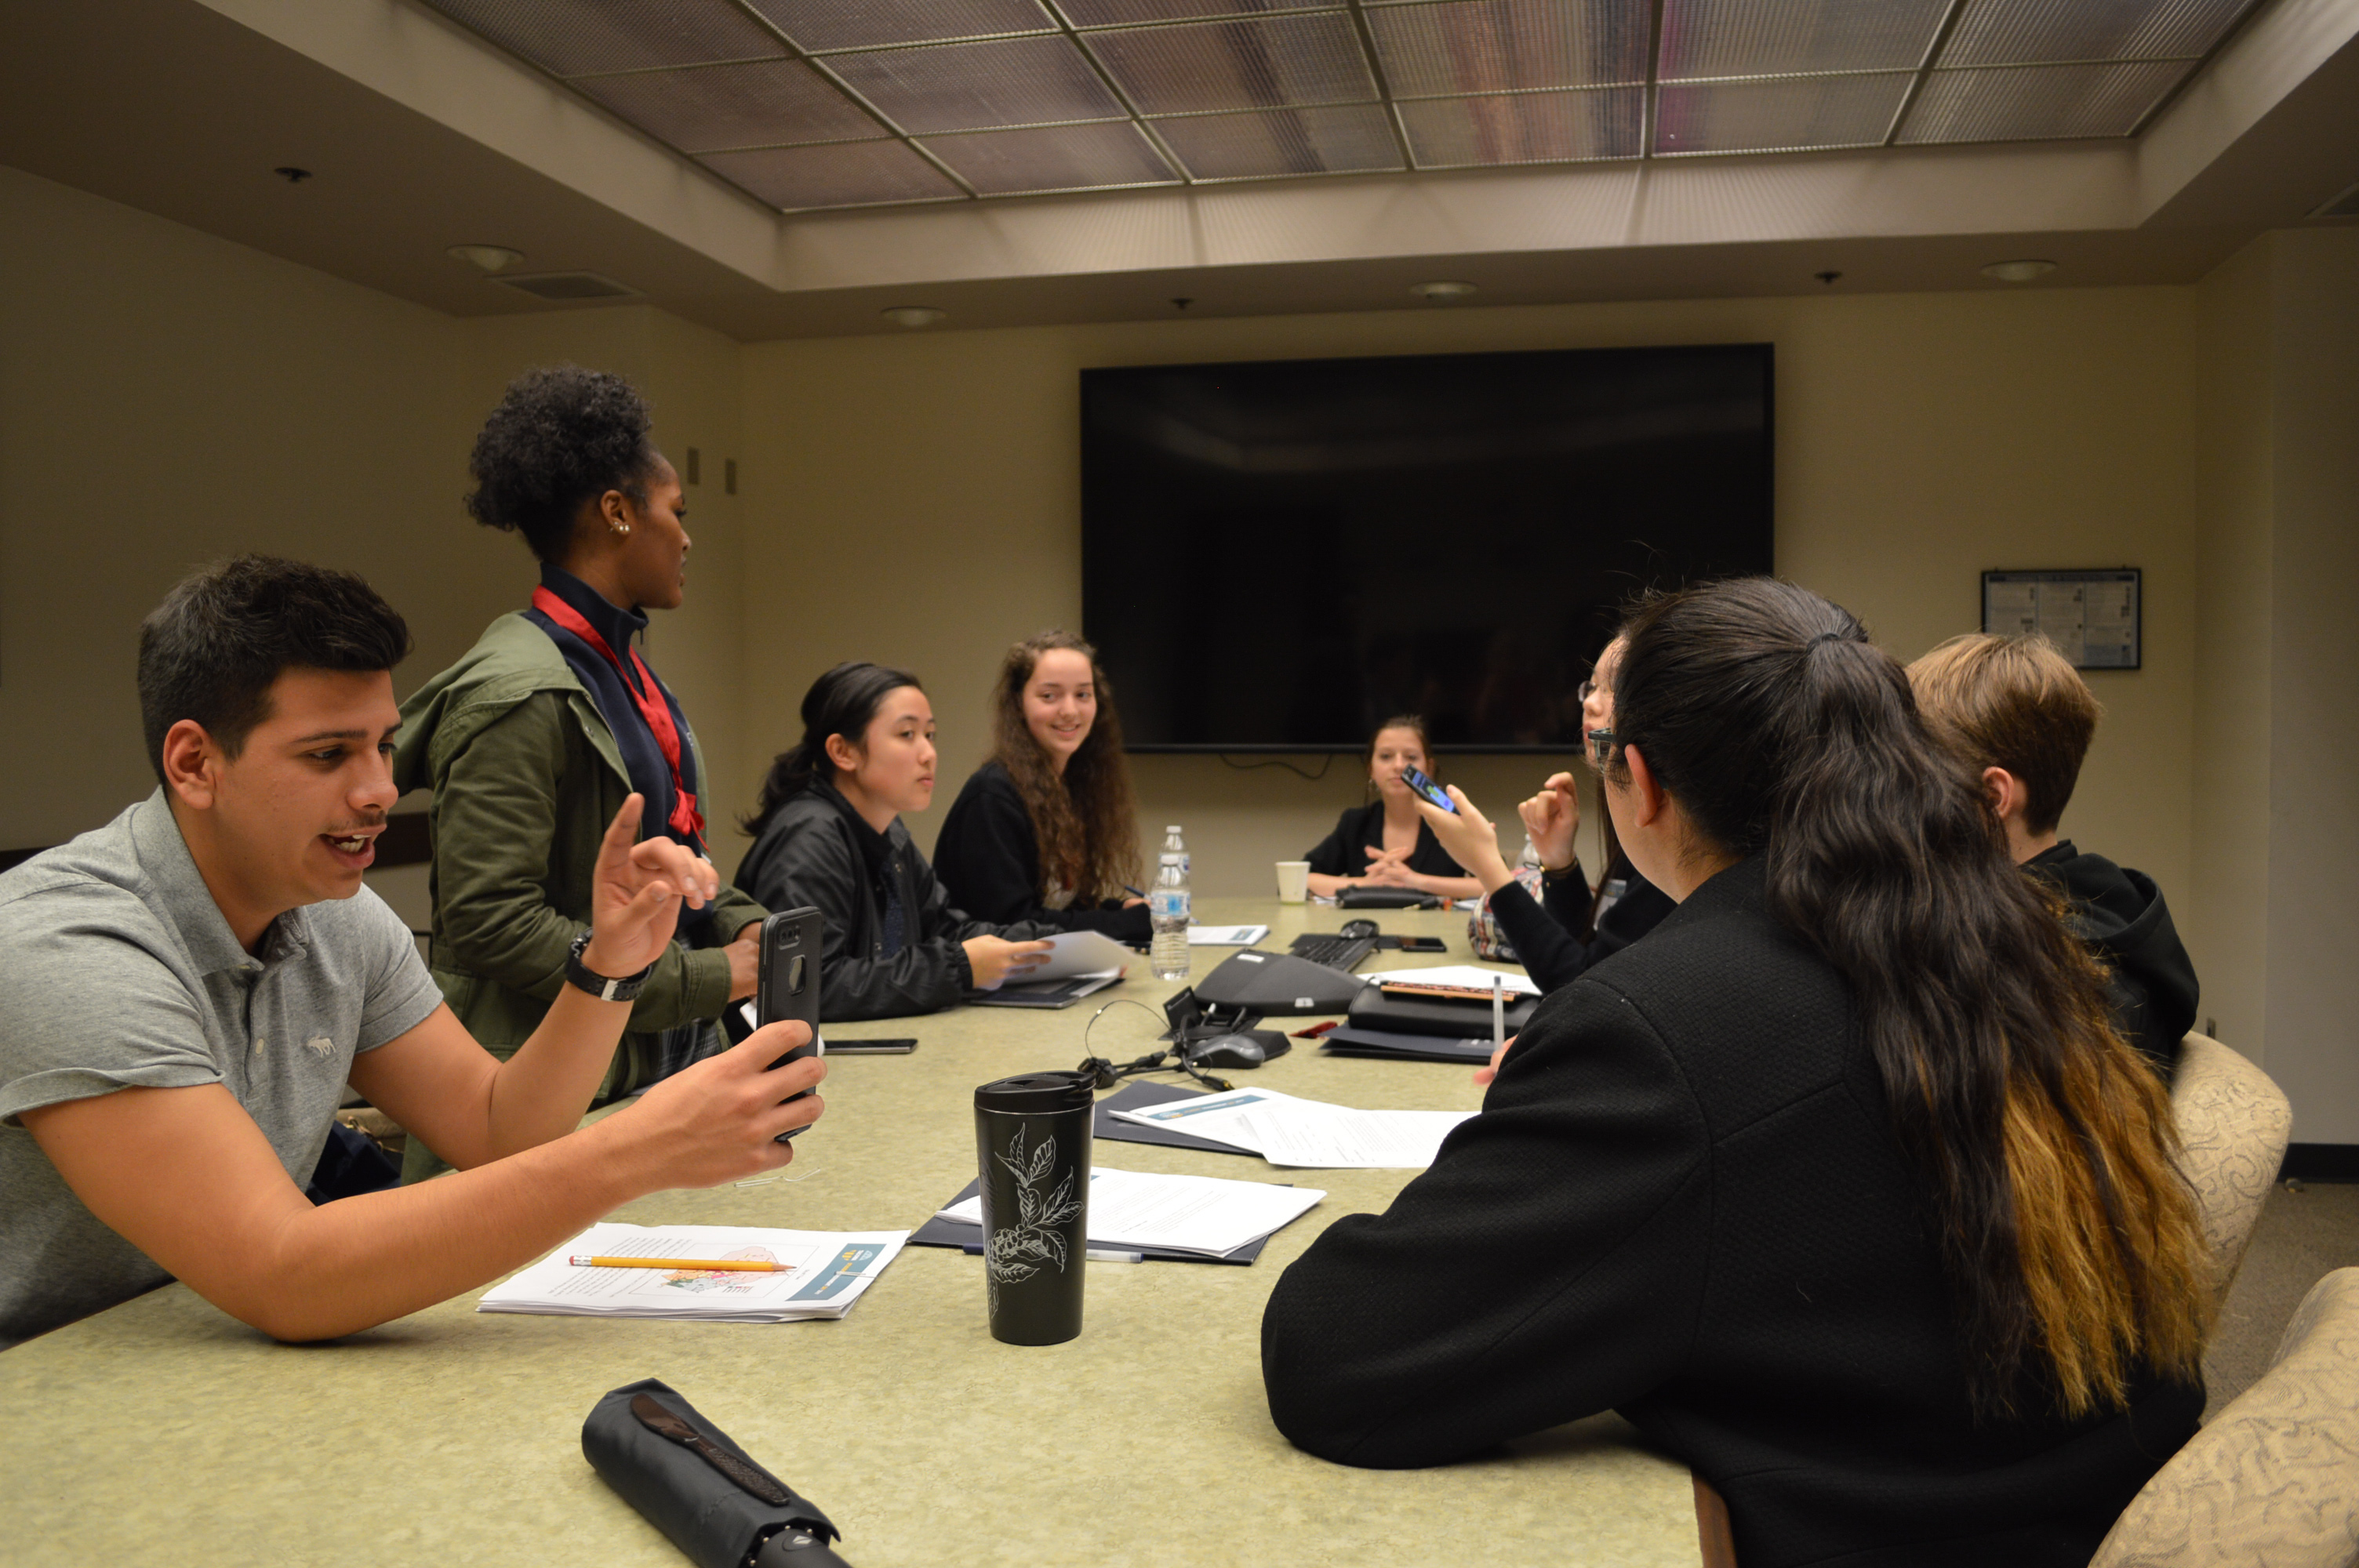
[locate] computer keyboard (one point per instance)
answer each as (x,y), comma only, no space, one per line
(1335,952)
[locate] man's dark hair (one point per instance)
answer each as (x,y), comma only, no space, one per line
(560,436)
(211,650)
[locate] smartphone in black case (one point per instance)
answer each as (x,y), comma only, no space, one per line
(786,986)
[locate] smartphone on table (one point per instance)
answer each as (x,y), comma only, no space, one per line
(1416,780)
(786,984)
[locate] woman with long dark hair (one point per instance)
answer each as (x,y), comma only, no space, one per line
(828,836)
(1840,1185)
(1047,830)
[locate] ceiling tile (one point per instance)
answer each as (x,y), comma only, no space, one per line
(966,86)
(865,24)
(732,105)
(1500,46)
(1778,115)
(1343,140)
(1778,37)
(841,174)
(568,38)
(2037,103)
(1062,158)
(2018,32)
(1284,61)
(1526,127)
(1114,13)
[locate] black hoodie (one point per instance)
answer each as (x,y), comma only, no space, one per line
(2120,914)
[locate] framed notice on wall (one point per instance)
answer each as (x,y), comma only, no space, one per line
(2091,615)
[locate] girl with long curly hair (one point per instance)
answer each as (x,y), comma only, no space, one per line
(1047,830)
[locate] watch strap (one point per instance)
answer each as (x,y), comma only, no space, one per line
(606,987)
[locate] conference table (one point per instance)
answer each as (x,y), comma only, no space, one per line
(164,1430)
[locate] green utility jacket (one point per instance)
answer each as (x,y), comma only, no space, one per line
(526,778)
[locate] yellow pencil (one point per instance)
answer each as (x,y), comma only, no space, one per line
(741,1265)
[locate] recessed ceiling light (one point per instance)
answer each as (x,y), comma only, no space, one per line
(488,258)
(2017,271)
(912,315)
(1442,289)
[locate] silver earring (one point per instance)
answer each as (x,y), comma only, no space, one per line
(622,529)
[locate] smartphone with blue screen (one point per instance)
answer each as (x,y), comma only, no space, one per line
(1416,781)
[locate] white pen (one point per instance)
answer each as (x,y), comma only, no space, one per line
(1104,1255)
(1498,1009)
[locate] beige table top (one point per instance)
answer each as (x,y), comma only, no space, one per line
(455,1437)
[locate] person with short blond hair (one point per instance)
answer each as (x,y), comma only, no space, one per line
(2018,713)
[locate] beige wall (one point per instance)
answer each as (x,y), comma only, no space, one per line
(916,499)
(168,397)
(2314,789)
(165,397)
(2227,926)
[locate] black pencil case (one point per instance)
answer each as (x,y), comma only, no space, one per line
(712,1508)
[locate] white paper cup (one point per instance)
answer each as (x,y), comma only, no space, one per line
(1293,881)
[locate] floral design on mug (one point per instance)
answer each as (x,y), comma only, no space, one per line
(1017,1252)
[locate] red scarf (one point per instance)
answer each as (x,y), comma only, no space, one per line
(686,819)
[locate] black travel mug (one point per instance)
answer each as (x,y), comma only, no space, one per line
(1032,1138)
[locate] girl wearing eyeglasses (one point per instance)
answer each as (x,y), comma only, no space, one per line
(1557,936)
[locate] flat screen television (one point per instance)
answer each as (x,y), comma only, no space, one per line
(1276,557)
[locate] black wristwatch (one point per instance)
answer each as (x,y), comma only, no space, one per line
(600,986)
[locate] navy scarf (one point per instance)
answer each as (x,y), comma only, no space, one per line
(643,759)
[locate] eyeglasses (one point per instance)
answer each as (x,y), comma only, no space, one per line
(1600,745)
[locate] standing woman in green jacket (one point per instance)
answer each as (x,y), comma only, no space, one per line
(532,741)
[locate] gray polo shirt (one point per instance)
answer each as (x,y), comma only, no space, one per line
(116,971)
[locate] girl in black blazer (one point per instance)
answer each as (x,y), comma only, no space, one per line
(1385,843)
(1840,1184)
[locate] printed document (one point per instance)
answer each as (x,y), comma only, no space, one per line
(1184,1214)
(1307,1133)
(1225,936)
(1072,955)
(826,1273)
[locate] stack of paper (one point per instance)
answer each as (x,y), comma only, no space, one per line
(1311,1133)
(1073,955)
(1179,1214)
(1225,936)
(1472,977)
(826,1273)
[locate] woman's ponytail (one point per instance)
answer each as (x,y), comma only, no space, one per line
(2044,1143)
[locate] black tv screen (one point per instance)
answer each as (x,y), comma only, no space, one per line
(1278,556)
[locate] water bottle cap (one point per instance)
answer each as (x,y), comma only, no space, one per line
(1173,828)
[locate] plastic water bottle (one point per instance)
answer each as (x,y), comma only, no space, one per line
(1174,845)
(1166,910)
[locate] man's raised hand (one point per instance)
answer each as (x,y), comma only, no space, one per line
(637,892)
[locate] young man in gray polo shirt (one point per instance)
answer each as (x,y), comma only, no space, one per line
(185,991)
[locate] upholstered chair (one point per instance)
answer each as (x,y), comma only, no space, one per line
(2273,1478)
(2233,1124)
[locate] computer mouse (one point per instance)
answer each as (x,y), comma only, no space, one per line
(1355,929)
(1249,1049)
